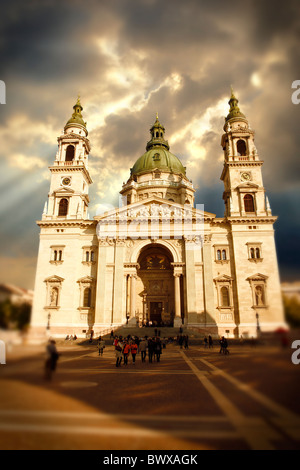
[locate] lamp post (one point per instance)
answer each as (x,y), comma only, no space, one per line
(257,324)
(48,324)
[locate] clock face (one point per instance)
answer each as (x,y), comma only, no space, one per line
(245,176)
(66,181)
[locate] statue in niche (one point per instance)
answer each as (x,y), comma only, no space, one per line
(259,296)
(54,297)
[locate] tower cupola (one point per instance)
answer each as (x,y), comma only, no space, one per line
(157,136)
(235,113)
(76,121)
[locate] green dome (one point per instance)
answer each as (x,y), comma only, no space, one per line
(157,154)
(158,157)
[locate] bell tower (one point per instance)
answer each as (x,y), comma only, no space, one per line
(70,179)
(244,193)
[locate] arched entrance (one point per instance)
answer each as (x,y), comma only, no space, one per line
(156,285)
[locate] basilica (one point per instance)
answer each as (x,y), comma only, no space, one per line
(157,259)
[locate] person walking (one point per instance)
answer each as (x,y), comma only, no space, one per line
(118,350)
(157,349)
(210,342)
(205,342)
(143,349)
(224,346)
(186,342)
(126,351)
(101,346)
(51,360)
(133,349)
(150,349)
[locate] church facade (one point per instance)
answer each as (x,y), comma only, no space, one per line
(157,259)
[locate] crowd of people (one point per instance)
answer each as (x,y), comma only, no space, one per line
(131,345)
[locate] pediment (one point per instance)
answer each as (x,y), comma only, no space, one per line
(223,278)
(154,207)
(257,277)
(247,185)
(54,279)
(63,191)
(86,279)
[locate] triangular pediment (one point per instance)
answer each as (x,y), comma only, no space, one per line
(154,207)
(86,279)
(63,191)
(247,186)
(223,278)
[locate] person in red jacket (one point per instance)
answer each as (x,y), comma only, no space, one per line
(126,351)
(134,349)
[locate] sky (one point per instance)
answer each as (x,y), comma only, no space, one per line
(129,59)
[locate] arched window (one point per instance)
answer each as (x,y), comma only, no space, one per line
(60,255)
(249,203)
(257,251)
(92,256)
(219,255)
(55,255)
(252,254)
(87,295)
(241,147)
(224,254)
(63,207)
(87,256)
(225,297)
(70,152)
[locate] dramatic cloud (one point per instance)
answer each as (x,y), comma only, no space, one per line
(129,60)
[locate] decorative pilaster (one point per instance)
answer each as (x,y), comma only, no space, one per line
(177,319)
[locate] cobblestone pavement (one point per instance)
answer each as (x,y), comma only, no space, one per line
(192,399)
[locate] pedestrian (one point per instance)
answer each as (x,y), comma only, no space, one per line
(186,342)
(143,349)
(210,342)
(91,336)
(126,351)
(205,342)
(101,345)
(134,349)
(51,360)
(118,350)
(224,346)
(150,349)
(157,349)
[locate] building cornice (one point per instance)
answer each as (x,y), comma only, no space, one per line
(66,223)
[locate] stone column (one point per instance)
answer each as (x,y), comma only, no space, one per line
(190,279)
(177,319)
(101,284)
(209,301)
(132,295)
(118,307)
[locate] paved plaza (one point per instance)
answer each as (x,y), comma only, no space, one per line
(192,399)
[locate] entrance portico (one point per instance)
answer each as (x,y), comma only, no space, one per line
(154,291)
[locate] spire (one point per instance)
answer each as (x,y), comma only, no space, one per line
(234,111)
(158,136)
